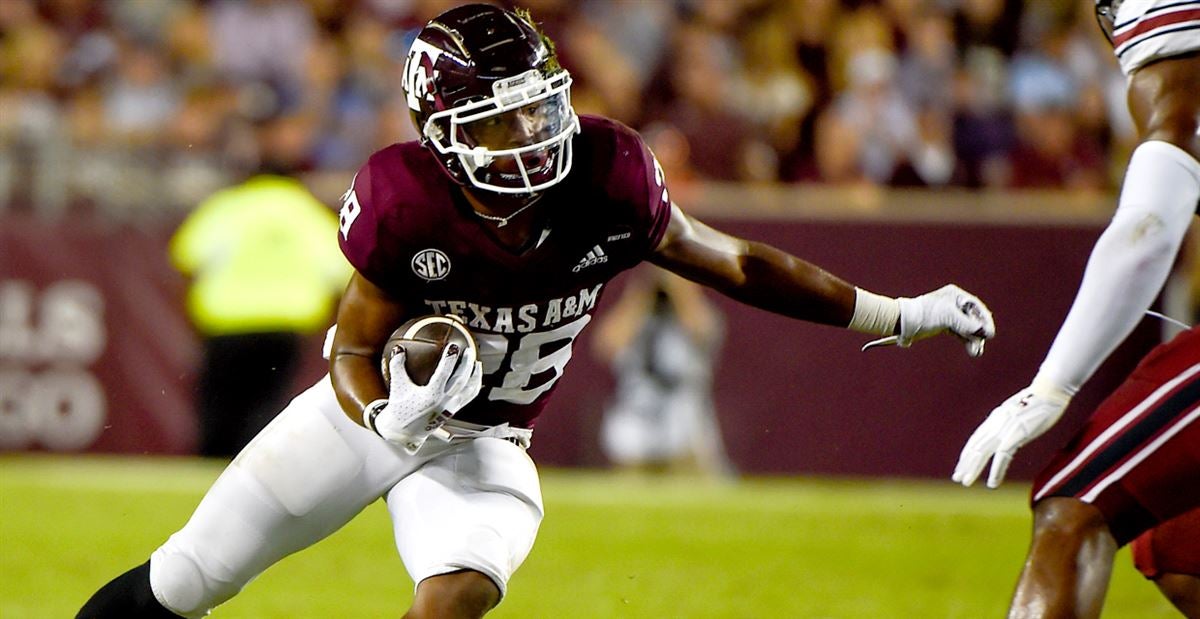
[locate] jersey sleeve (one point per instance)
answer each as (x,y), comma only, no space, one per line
(638,180)
(361,226)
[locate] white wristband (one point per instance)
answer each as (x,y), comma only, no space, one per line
(874,314)
(371,411)
(1048,387)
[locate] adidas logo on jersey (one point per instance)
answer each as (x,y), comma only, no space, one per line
(593,257)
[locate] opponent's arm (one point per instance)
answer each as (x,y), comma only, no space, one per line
(765,277)
(1125,272)
(1129,264)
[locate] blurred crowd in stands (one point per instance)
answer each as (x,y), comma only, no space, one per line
(150,105)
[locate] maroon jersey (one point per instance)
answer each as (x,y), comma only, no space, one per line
(407,228)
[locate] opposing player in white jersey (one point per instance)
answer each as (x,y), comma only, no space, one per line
(1133,471)
(511,213)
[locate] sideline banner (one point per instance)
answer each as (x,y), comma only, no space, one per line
(95,351)
(97,355)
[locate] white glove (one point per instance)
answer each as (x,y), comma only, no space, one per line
(414,412)
(1020,419)
(948,308)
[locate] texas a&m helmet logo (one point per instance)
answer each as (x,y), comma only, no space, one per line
(418,82)
(431,264)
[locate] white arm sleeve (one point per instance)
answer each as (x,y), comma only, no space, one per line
(1129,263)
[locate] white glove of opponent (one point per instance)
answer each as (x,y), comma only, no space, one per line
(414,412)
(1020,419)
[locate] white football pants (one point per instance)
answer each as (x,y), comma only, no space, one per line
(472,503)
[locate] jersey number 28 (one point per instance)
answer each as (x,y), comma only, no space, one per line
(527,359)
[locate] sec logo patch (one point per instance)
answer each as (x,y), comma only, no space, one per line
(431,264)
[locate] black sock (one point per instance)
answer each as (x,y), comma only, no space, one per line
(127,596)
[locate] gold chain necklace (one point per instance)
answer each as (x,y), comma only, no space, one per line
(504,220)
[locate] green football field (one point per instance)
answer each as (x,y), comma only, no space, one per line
(610,546)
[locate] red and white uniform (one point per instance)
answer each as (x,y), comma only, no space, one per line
(1147,30)
(1137,458)
(1170,548)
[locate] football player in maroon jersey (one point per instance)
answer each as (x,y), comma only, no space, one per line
(511,213)
(1135,465)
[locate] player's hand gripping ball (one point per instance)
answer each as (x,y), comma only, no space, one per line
(424,340)
(431,368)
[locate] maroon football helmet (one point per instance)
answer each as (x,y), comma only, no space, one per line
(490,100)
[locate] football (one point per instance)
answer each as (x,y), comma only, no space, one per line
(423,340)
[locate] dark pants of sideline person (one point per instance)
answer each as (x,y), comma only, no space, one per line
(245,381)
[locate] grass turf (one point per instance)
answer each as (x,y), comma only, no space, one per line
(610,546)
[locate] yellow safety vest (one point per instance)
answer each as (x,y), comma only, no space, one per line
(264,257)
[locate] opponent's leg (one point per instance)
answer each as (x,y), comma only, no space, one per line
(1183,591)
(1067,570)
(464,522)
(1169,555)
(1121,475)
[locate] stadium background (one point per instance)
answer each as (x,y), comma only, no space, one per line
(899,143)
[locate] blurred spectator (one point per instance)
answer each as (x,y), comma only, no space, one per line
(263,40)
(265,271)
(195,166)
(144,21)
(189,45)
(771,91)
(141,99)
(984,130)
(30,136)
(670,148)
(661,340)
(616,45)
(100,96)
(606,80)
(1052,153)
(812,23)
(926,72)
(892,144)
(837,144)
(991,24)
(694,95)
(74,18)
(1051,150)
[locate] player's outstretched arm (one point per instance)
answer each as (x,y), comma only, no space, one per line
(1124,274)
(365,319)
(768,278)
